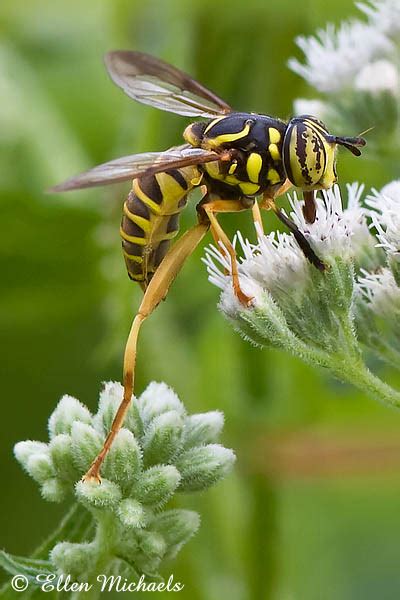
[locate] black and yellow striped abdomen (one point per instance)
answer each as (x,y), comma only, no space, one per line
(151,219)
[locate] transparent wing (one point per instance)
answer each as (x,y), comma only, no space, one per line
(138,165)
(153,81)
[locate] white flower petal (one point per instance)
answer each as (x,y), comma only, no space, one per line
(335,56)
(378,76)
(383,14)
(336,231)
(380,291)
(385,215)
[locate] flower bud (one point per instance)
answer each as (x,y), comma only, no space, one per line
(24,450)
(86,444)
(40,466)
(203,428)
(163,438)
(124,459)
(176,527)
(158,398)
(95,495)
(53,490)
(203,466)
(131,513)
(73,559)
(156,485)
(67,411)
(62,455)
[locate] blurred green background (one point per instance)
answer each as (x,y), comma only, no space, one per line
(312,511)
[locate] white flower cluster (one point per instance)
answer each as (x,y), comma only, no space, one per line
(356,66)
(277,265)
(335,57)
(378,292)
(386,216)
(384,14)
(324,317)
(381,293)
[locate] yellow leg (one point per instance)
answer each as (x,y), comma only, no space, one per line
(257,219)
(217,206)
(155,292)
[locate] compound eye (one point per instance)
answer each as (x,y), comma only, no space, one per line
(305,152)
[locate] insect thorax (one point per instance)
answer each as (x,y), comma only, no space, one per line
(256,144)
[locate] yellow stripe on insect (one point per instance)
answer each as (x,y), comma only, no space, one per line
(132,238)
(140,221)
(213,122)
(273,176)
(232,180)
(228,137)
(196,180)
(137,276)
(133,257)
(316,126)
(171,190)
(249,188)
(233,167)
(212,169)
(274,135)
(145,199)
(274,152)
(253,166)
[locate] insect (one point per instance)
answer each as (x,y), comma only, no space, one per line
(235,157)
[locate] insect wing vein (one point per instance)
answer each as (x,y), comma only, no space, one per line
(137,165)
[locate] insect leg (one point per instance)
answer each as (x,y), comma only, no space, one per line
(155,292)
(257,219)
(310,207)
(299,237)
(210,208)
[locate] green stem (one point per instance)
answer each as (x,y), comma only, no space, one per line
(104,542)
(264,532)
(357,373)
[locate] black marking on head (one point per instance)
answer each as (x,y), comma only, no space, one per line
(300,149)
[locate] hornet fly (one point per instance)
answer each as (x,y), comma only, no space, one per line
(241,161)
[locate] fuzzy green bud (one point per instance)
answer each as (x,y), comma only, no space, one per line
(158,398)
(53,490)
(131,513)
(124,460)
(73,559)
(62,455)
(177,527)
(163,438)
(94,495)
(86,444)
(203,466)
(156,485)
(68,411)
(203,428)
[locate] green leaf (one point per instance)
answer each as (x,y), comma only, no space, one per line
(21,565)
